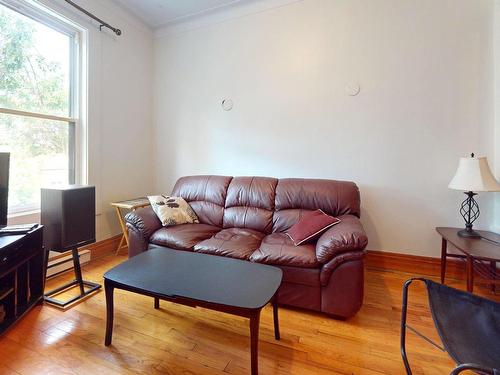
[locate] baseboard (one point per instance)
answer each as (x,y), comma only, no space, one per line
(87,253)
(414,264)
(104,247)
(63,262)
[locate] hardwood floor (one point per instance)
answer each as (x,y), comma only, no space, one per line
(182,340)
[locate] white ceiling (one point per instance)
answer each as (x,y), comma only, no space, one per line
(158,13)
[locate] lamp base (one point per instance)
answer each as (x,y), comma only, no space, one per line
(468,233)
(469,210)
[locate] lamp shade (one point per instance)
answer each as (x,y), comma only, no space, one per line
(474,174)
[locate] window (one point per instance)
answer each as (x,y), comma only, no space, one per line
(38,102)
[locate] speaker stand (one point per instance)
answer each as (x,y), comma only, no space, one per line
(77,282)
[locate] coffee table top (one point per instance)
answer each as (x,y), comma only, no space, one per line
(201,277)
(474,247)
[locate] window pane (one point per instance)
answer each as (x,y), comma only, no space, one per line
(34,65)
(39,157)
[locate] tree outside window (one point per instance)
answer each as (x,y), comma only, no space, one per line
(35,79)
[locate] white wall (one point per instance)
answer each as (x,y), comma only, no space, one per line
(120,108)
(426,74)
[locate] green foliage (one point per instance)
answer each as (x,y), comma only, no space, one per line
(27,80)
(31,83)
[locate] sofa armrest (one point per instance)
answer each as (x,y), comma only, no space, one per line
(143,220)
(336,261)
(348,235)
(141,224)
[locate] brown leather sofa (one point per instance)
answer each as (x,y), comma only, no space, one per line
(246,218)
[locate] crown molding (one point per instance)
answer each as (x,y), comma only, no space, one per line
(220,15)
(110,11)
(198,13)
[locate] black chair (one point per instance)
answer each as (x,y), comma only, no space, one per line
(468,325)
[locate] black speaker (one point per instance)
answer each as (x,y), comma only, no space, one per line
(4,187)
(68,217)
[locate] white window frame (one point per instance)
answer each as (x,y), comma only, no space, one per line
(78,168)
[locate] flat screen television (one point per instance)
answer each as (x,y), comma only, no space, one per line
(4,186)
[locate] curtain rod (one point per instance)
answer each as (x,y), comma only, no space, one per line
(102,23)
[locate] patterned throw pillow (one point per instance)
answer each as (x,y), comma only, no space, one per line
(172,210)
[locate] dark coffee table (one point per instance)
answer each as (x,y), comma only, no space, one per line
(229,285)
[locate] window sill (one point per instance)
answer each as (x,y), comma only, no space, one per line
(26,217)
(23,213)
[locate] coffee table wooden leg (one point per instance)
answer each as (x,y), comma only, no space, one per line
(254,341)
(275,318)
(108,288)
(444,245)
(157,303)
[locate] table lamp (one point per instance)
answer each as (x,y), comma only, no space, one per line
(473,175)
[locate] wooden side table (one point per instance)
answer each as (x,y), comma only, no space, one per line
(131,205)
(480,255)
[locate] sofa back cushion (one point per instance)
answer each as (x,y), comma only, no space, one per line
(250,203)
(263,203)
(206,195)
(294,196)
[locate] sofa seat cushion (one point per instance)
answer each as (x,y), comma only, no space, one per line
(237,243)
(184,236)
(278,249)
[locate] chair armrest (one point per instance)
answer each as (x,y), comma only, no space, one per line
(348,235)
(143,221)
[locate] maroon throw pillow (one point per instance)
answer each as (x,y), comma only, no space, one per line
(309,226)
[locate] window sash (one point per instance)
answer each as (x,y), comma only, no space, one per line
(42,14)
(16,112)
(72,123)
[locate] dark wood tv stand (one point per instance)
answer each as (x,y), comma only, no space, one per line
(22,274)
